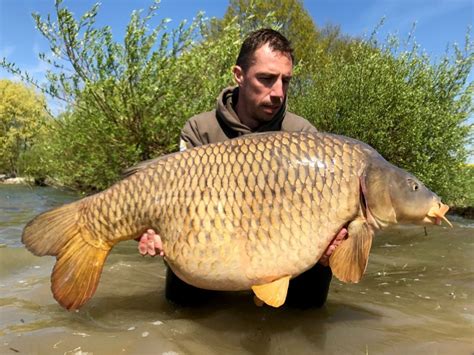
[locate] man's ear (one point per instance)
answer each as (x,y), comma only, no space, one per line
(238,74)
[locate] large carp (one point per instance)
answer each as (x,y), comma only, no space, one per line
(248,213)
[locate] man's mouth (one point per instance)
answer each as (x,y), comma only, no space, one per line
(271,108)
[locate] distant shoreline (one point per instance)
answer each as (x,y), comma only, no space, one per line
(464,212)
(19,180)
(15,180)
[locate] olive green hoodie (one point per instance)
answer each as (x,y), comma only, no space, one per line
(223,123)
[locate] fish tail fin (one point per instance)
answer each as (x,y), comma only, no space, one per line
(80,256)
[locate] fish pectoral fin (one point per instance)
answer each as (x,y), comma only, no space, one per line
(273,293)
(349,261)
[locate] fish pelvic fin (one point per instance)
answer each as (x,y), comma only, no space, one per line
(349,261)
(273,293)
(79,255)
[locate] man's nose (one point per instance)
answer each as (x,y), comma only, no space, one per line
(278,89)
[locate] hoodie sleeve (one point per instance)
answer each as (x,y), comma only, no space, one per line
(189,137)
(295,123)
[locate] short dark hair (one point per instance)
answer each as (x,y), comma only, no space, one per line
(257,39)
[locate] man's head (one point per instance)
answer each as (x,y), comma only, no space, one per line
(263,71)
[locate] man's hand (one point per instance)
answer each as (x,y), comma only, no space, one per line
(150,244)
(335,242)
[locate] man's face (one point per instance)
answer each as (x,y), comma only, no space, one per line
(264,85)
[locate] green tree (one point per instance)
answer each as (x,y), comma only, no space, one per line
(22,118)
(293,20)
(313,45)
(124,99)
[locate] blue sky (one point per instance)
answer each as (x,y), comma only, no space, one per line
(439,23)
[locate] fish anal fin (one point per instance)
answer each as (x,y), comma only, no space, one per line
(273,293)
(349,261)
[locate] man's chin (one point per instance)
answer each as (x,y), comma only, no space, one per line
(269,113)
(266,117)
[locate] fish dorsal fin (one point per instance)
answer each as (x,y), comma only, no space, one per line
(140,166)
(273,293)
(146,164)
(349,261)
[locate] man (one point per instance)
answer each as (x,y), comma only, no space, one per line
(257,104)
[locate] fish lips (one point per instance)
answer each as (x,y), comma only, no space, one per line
(437,214)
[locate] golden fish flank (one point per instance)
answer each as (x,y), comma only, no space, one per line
(248,213)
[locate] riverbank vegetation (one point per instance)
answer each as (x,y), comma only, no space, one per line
(126,101)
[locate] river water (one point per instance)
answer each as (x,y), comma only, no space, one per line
(415,298)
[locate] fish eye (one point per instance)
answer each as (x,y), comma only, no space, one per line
(414,186)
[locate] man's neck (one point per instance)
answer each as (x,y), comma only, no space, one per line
(245,118)
(241,109)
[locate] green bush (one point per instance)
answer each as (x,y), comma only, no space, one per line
(22,120)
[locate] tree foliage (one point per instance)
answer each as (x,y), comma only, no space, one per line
(293,20)
(126,101)
(22,118)
(311,43)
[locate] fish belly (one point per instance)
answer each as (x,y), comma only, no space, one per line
(241,213)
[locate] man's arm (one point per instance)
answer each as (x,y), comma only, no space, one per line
(295,123)
(190,136)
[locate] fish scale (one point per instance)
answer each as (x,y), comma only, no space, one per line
(245,178)
(247,213)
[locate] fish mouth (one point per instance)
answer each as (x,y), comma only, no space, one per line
(436,214)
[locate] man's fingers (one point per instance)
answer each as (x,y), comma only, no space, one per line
(157,241)
(330,250)
(150,244)
(142,247)
(340,236)
(151,247)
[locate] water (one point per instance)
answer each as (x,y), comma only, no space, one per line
(415,298)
